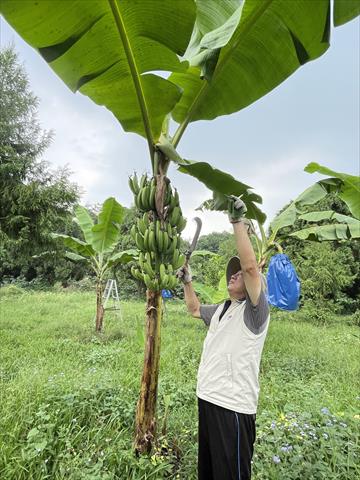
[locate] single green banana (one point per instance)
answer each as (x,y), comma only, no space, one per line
(148,281)
(152,194)
(148,264)
(146,239)
(180,261)
(133,232)
(165,281)
(139,240)
(160,241)
(162,270)
(143,198)
(172,246)
(168,229)
(141,260)
(146,219)
(137,201)
(157,228)
(143,181)
(178,241)
(135,183)
(181,224)
(175,258)
(152,246)
(166,241)
(131,185)
(141,226)
(174,216)
(176,197)
(168,195)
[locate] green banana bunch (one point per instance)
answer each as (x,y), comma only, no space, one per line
(157,239)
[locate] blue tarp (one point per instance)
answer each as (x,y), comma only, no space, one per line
(283,283)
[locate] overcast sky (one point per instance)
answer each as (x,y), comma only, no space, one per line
(311,117)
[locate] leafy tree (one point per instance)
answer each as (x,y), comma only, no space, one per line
(33,199)
(212,241)
(214,53)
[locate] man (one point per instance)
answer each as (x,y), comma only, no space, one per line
(227,386)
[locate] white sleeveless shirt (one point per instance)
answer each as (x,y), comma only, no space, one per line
(230,361)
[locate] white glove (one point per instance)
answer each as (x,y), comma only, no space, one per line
(237,209)
(184,274)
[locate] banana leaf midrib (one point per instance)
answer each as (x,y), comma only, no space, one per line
(134,74)
(255,16)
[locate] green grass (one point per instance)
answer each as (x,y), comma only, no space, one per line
(68,396)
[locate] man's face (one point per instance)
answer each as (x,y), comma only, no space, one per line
(236,286)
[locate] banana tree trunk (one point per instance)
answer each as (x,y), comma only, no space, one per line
(99,307)
(146,408)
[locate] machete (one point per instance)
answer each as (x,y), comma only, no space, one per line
(195,240)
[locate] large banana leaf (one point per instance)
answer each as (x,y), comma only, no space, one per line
(271,40)
(105,233)
(349,186)
(105,49)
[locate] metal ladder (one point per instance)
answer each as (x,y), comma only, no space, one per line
(111,293)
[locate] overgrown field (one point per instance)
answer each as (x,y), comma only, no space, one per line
(67,397)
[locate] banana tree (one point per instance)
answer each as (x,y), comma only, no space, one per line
(337,226)
(221,57)
(101,239)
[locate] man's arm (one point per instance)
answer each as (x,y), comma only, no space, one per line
(249,266)
(191,300)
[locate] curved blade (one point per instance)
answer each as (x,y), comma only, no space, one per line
(195,239)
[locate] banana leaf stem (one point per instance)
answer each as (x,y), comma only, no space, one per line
(134,73)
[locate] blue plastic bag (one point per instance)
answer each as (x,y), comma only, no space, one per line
(166,294)
(283,283)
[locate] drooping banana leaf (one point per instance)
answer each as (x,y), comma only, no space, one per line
(353,224)
(105,233)
(220,183)
(220,202)
(271,40)
(349,186)
(123,257)
(75,256)
(106,50)
(75,244)
(328,215)
(332,232)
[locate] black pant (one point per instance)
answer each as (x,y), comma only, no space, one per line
(226,443)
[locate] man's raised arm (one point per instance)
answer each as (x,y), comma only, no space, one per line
(249,266)
(191,300)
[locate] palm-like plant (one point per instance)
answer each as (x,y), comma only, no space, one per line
(101,239)
(221,56)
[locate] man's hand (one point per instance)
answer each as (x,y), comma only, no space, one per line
(184,274)
(237,209)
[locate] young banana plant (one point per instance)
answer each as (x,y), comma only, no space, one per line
(97,249)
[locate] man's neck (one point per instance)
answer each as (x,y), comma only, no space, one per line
(233,299)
